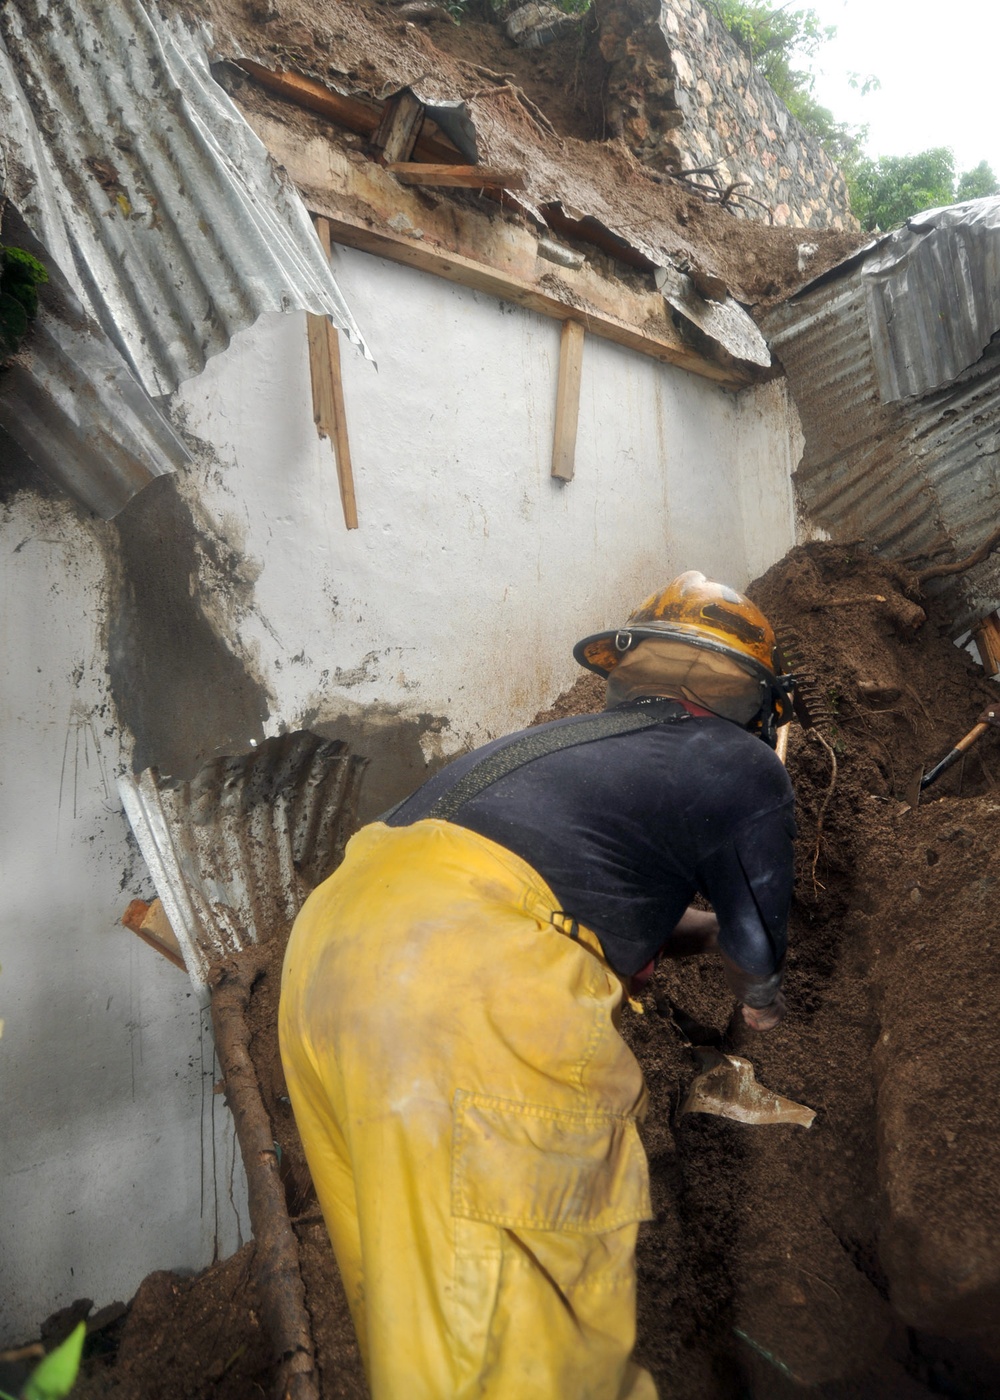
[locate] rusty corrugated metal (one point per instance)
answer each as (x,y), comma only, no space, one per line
(234,852)
(918,477)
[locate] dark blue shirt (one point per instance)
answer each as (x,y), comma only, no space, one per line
(626,829)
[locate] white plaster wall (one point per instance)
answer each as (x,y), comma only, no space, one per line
(473,571)
(115,1156)
(461,595)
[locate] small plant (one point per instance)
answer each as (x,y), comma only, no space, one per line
(20,277)
(55,1375)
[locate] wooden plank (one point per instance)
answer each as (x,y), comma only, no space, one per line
(567,401)
(987,638)
(329,410)
(453,267)
(400,126)
(464,176)
(359,114)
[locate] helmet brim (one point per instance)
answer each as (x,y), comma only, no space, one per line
(601,652)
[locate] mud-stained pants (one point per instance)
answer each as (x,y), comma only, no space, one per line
(468,1110)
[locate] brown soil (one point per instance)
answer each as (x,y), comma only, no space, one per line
(859,1258)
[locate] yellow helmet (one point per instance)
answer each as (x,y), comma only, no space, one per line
(703,613)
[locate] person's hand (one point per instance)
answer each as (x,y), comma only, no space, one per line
(764,1018)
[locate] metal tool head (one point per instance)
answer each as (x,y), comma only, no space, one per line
(809,703)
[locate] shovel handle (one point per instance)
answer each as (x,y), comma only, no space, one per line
(956,753)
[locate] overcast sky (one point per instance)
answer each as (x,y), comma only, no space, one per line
(939,66)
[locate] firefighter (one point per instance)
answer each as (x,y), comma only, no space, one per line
(450,1001)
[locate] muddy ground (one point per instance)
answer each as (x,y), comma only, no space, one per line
(859,1258)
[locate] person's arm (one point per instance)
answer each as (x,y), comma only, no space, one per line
(748,881)
(696,931)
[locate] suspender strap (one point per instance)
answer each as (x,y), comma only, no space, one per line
(538,743)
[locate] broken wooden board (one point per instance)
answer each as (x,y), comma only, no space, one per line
(987,639)
(362,115)
(150,923)
(400,126)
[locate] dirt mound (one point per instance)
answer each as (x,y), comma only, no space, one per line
(861,1257)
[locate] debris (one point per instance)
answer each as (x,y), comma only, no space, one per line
(531,26)
(724,321)
(426,10)
(558,254)
(727,1087)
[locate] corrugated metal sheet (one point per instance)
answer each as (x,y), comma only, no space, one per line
(917,477)
(164,224)
(933,291)
(146,185)
(73,408)
(725,322)
(234,852)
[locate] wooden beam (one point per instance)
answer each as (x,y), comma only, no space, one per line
(329,412)
(464,176)
(567,400)
(360,114)
(400,126)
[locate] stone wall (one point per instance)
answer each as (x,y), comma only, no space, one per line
(685,97)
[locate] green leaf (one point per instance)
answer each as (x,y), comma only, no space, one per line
(21,264)
(55,1376)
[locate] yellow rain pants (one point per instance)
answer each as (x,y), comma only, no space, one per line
(468,1110)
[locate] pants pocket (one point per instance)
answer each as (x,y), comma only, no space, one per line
(524,1166)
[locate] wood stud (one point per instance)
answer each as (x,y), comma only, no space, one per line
(567,401)
(329,411)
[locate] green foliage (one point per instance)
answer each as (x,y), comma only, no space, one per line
(777,42)
(20,277)
(887,190)
(977,183)
(55,1375)
(775,39)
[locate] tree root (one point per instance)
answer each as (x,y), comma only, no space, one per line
(823,806)
(276,1259)
(976,557)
